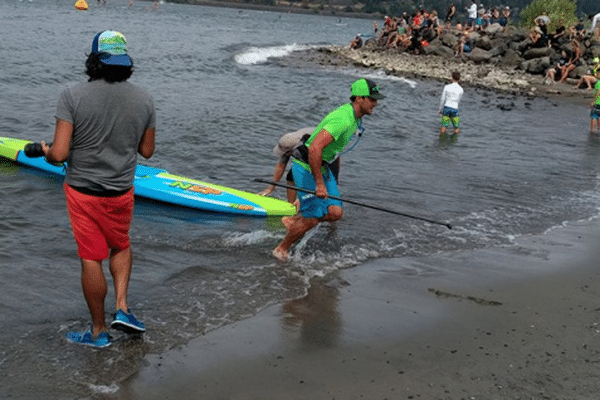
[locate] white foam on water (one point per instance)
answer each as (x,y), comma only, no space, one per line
(259,55)
(103,389)
(238,239)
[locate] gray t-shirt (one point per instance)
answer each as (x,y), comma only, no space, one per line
(108,120)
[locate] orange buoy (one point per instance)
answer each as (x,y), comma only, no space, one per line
(81,5)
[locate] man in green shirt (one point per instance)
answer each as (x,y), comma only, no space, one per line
(311,171)
(595,113)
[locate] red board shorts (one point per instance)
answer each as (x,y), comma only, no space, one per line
(99,223)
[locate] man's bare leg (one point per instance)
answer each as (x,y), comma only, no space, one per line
(297,226)
(296,229)
(94,287)
(120,268)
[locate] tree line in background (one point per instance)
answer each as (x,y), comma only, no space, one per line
(561,12)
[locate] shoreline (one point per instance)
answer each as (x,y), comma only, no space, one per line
(524,326)
(428,67)
(437,68)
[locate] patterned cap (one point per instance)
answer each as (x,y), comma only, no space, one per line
(112,47)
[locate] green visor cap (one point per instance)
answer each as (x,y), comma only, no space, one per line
(366,88)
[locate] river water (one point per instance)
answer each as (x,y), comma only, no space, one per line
(223,98)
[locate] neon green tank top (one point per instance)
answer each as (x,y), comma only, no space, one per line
(341,125)
(596,89)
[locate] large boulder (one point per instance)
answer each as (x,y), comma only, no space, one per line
(493,28)
(513,34)
(593,51)
(511,59)
(479,56)
(570,47)
(499,50)
(537,52)
(484,42)
(474,36)
(536,65)
(449,39)
(522,46)
(438,49)
(580,71)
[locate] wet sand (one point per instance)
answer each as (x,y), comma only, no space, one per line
(514,322)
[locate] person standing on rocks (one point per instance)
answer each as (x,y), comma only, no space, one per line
(449,104)
(595,24)
(450,15)
(472,10)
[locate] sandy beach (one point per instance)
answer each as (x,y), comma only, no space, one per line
(434,328)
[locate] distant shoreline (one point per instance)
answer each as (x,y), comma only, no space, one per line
(327,12)
(427,67)
(436,68)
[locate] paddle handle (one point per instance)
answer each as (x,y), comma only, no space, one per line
(447,225)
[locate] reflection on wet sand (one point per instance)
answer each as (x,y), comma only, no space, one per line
(315,315)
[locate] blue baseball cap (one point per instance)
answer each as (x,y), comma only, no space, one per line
(112,47)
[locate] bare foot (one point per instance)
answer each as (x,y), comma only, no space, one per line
(280,254)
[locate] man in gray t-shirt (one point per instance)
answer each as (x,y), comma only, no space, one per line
(101,126)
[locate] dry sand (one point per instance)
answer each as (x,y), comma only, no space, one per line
(515,322)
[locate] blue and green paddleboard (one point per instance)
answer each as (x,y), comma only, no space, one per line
(158,184)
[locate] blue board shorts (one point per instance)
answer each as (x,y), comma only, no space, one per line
(450,115)
(312,206)
(595,113)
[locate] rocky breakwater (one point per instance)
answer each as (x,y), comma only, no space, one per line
(500,59)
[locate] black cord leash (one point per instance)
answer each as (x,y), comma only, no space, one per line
(355,202)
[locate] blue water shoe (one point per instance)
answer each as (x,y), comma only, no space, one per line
(126,322)
(86,339)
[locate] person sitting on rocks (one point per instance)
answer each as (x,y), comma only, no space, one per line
(495,16)
(356,43)
(543,21)
(554,73)
(415,43)
(504,16)
(539,35)
(574,60)
(556,39)
(388,28)
(565,65)
(486,19)
(418,20)
(403,23)
(403,41)
(465,43)
(590,80)
(479,19)
(431,28)
(578,31)
(393,35)
(436,24)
